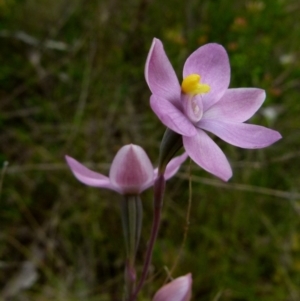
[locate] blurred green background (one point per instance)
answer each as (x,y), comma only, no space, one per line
(72,82)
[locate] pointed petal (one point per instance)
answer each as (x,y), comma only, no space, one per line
(160,75)
(180,289)
(241,134)
(172,166)
(131,170)
(171,117)
(87,176)
(236,105)
(207,154)
(212,64)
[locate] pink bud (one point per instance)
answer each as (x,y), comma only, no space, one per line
(180,289)
(131,170)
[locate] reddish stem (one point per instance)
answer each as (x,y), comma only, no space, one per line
(159,188)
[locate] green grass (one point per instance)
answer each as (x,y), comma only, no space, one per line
(85,95)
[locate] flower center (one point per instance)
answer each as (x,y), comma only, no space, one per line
(191,85)
(192,104)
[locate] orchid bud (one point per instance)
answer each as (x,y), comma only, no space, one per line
(180,289)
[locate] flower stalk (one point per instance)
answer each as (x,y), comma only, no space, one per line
(159,188)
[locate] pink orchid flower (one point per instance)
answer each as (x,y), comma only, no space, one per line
(180,289)
(131,171)
(204,102)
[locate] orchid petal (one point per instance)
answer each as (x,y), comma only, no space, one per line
(236,105)
(171,117)
(241,134)
(207,154)
(212,64)
(87,176)
(131,170)
(160,75)
(177,290)
(172,166)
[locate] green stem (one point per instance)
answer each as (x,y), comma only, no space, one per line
(131,210)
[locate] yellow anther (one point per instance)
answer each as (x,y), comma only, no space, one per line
(191,85)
